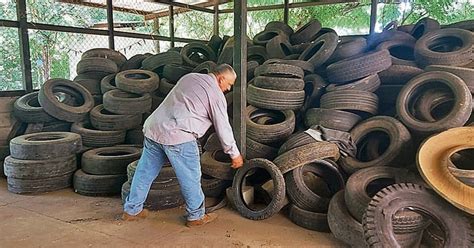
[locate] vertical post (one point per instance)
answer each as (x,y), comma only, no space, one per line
(171,15)
(156,30)
(240,66)
(373,15)
(24,45)
(216,18)
(110,23)
(286,11)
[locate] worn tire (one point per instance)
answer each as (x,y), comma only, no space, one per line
(330,118)
(278,196)
(348,48)
(275,99)
(398,151)
(115,56)
(351,100)
(320,50)
(109,160)
(135,62)
(92,85)
(48,145)
(276,83)
(137,81)
(27,109)
(279,26)
(98,185)
(104,120)
(424,26)
(214,187)
(278,47)
(401,52)
(97,138)
(165,86)
(173,72)
(205,67)
(359,66)
(202,48)
(32,186)
(309,220)
(157,62)
(370,83)
(306,33)
(217,164)
(256,149)
(39,169)
(268,134)
(120,102)
(466,74)
(60,110)
(103,65)
(108,83)
(399,74)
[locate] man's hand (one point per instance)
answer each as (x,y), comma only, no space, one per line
(237,162)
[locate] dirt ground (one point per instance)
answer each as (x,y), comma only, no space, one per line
(63,218)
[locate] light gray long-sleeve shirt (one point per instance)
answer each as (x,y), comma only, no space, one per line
(189,110)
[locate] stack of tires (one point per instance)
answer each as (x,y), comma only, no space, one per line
(164,192)
(41,162)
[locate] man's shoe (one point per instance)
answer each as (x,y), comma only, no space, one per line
(204,220)
(142,215)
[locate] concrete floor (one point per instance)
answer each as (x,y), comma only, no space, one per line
(63,218)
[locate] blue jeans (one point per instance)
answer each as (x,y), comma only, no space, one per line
(186,163)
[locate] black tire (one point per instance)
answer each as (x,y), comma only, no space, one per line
(156,62)
(251,66)
(401,52)
(107,121)
(137,81)
(314,89)
(98,185)
(205,67)
(359,66)
(280,26)
(120,102)
(60,110)
(309,220)
(57,126)
(281,127)
(48,145)
(158,199)
(108,83)
(279,70)
(135,62)
(165,86)
(262,38)
(103,65)
(97,138)
(278,196)
(109,160)
(330,118)
(306,33)
(197,47)
(424,26)
(307,67)
(466,74)
(306,154)
(399,74)
(364,184)
(27,109)
(375,39)
(38,169)
(370,83)
(320,50)
(351,100)
(341,223)
(279,47)
(174,72)
(296,140)
(215,43)
(457,117)
(165,179)
(398,153)
(115,56)
(458,50)
(259,150)
(406,28)
(467,25)
(32,186)
(217,164)
(347,49)
(314,196)
(94,75)
(275,99)
(92,85)
(257,53)
(378,217)
(214,187)
(135,136)
(276,83)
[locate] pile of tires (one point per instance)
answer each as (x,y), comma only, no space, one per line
(41,162)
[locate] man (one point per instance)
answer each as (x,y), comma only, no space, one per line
(195,103)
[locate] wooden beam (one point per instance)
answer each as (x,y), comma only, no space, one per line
(110,23)
(182,5)
(373,16)
(240,66)
(292,5)
(24,45)
(184,10)
(216,19)
(286,11)
(104,6)
(171,10)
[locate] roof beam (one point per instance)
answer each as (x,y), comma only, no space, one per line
(291,5)
(104,6)
(184,9)
(183,5)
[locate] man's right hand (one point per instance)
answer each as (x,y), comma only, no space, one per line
(237,162)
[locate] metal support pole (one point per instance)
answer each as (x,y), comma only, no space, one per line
(24,45)
(216,18)
(156,30)
(110,22)
(373,15)
(286,11)
(172,25)
(240,66)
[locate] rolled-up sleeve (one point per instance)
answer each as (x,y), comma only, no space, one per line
(220,120)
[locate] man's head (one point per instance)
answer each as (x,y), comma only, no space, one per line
(226,76)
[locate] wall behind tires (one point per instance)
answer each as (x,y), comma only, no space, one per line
(6,118)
